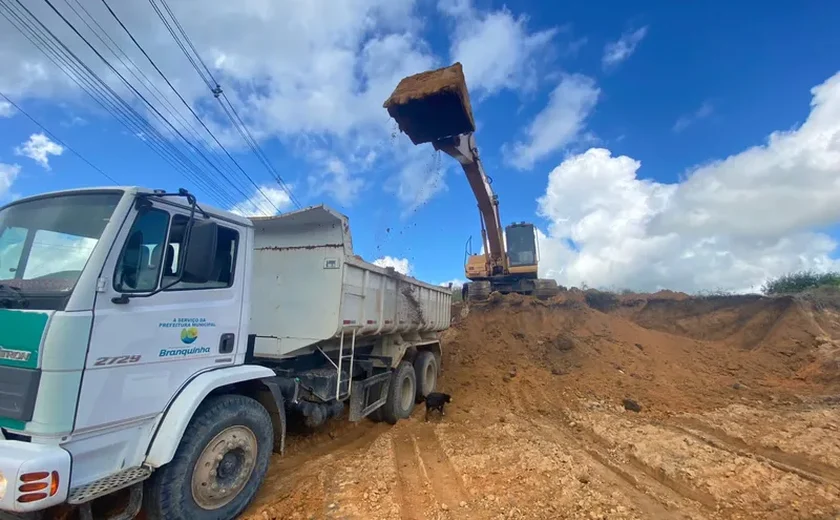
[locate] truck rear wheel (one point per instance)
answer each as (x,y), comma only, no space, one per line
(219,465)
(401,394)
(425,372)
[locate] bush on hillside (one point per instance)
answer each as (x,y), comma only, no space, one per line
(794,283)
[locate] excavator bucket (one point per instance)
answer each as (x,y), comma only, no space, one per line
(432,105)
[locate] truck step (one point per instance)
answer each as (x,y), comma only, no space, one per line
(109,484)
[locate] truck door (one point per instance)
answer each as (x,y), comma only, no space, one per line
(143,351)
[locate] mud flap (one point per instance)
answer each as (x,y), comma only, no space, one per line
(365,390)
(278,419)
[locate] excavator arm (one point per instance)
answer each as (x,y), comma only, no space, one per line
(462,148)
(434,107)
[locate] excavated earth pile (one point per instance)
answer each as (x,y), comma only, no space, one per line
(594,405)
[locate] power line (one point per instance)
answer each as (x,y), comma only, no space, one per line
(186,104)
(70,64)
(131,87)
(56,139)
(125,60)
(214,87)
(189,42)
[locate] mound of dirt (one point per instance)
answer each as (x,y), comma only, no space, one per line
(667,351)
(592,405)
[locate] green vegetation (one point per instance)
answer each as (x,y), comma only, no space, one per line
(456,293)
(795,283)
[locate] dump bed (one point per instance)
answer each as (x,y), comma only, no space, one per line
(308,287)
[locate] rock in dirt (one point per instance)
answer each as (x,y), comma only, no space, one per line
(631,405)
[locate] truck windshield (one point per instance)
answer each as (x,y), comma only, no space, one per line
(45,244)
(521,245)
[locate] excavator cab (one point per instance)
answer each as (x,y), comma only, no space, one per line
(522,250)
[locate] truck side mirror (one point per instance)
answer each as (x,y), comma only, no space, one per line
(200,253)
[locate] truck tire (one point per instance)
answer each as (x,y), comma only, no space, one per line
(426,374)
(219,465)
(401,394)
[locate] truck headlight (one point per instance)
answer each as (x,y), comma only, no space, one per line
(2,486)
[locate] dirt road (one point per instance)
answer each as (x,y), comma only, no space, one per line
(737,420)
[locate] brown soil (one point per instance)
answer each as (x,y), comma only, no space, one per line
(432,104)
(738,418)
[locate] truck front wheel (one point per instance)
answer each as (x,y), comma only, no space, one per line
(219,465)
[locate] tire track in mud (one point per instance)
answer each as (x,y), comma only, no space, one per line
(426,477)
(651,489)
(352,439)
(304,473)
(655,495)
(410,477)
(800,465)
(446,484)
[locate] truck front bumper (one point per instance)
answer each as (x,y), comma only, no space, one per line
(32,476)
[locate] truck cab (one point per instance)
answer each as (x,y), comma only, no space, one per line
(127,364)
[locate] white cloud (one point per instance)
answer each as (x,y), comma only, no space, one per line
(335,179)
(559,123)
(314,71)
(496,48)
(264,202)
(8,174)
(456,282)
(684,121)
(38,148)
(6,109)
(729,225)
(618,51)
(401,265)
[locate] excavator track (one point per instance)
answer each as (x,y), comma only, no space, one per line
(542,289)
(545,289)
(478,291)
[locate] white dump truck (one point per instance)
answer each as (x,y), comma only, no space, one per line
(151,348)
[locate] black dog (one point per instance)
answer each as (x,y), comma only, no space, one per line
(436,401)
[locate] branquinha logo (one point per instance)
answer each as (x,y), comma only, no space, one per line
(189,335)
(14,355)
(181,352)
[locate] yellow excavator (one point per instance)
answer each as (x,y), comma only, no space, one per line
(434,107)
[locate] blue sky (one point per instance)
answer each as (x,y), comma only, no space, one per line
(623,128)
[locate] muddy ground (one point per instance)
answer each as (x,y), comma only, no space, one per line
(739,403)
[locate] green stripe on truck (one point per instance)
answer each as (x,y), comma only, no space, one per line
(20,337)
(12,424)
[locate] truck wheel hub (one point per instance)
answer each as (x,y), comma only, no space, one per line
(224,466)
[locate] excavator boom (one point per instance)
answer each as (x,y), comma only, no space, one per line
(462,148)
(434,107)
